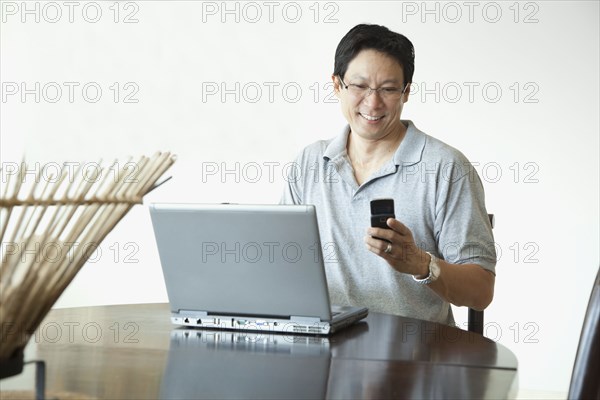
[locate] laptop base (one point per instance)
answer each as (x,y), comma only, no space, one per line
(292,325)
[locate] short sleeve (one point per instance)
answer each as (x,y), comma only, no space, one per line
(292,189)
(463,230)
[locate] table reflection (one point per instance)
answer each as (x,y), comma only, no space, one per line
(412,340)
(205,364)
(407,358)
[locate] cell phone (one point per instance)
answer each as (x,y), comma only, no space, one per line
(381,210)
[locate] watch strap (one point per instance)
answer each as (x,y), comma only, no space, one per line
(430,276)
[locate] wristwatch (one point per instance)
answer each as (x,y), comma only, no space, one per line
(434,271)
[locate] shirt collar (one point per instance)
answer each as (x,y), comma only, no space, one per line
(408,153)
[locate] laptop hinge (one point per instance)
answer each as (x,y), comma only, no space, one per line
(305,320)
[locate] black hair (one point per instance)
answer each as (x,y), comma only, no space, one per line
(375,37)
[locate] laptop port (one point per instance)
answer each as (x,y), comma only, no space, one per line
(186,320)
(199,321)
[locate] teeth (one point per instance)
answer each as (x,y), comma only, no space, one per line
(368,117)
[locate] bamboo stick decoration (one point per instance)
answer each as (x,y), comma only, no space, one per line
(59,213)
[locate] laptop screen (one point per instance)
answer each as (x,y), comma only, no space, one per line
(230,259)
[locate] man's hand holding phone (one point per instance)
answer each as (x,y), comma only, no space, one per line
(396,243)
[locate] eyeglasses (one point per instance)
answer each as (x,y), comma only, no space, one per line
(364,91)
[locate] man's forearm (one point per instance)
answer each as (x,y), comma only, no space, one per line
(467,285)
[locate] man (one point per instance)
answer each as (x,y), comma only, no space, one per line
(440,249)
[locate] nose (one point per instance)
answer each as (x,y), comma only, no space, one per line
(373,98)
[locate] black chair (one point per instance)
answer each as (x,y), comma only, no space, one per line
(584,380)
(475,318)
(475,321)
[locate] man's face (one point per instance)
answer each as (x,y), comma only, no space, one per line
(375,116)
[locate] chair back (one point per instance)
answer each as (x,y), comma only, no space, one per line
(475,318)
(584,380)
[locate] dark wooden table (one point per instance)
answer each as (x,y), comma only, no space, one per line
(133,352)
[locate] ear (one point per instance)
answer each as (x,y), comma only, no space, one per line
(336,85)
(406,93)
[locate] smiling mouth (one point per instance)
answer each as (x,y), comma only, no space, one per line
(370,117)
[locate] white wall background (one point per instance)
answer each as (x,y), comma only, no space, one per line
(513,85)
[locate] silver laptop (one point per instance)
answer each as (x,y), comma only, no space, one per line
(246,267)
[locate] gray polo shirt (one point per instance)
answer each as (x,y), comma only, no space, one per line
(437,194)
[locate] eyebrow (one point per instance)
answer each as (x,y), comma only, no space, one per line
(391,80)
